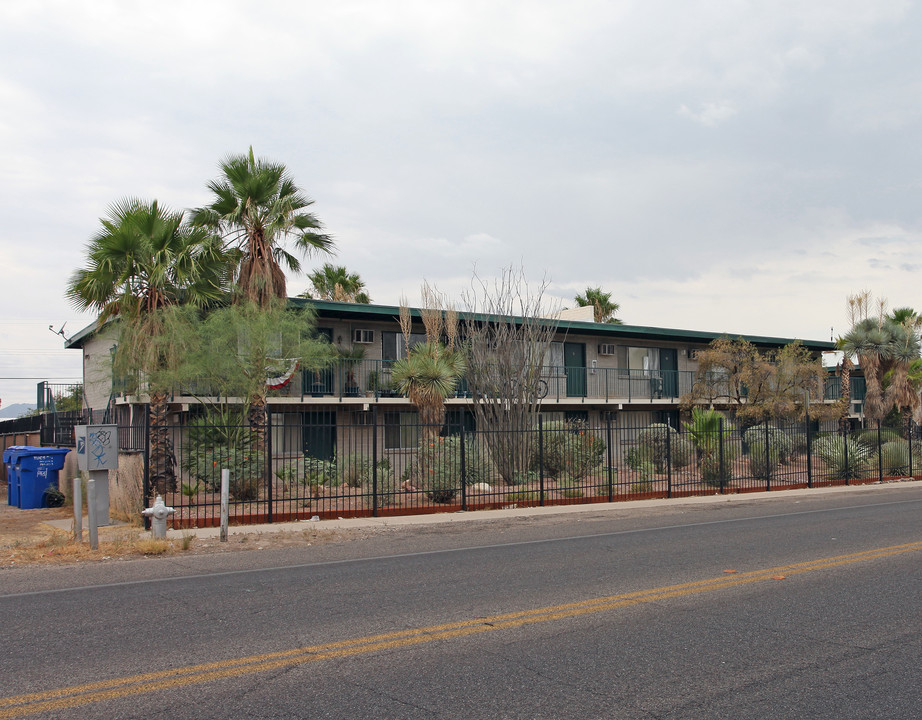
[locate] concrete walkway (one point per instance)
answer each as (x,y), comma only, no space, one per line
(511,512)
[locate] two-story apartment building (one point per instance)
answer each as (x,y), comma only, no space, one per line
(624,374)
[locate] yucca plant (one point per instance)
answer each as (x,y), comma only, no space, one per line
(844,457)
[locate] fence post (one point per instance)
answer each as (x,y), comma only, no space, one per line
(540,460)
(610,457)
(268,468)
(720,456)
(145,482)
(668,461)
(845,455)
(768,462)
(880,455)
(809,452)
(463,467)
(374,460)
(909,434)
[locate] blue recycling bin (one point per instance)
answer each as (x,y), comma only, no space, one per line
(35,469)
(12,477)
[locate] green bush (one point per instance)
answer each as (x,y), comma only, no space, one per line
(779,441)
(895,458)
(869,437)
(768,448)
(436,469)
(570,451)
(223,440)
(662,445)
(354,470)
(709,431)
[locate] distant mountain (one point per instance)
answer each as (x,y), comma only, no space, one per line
(15,410)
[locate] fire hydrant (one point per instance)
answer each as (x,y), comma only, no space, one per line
(159,512)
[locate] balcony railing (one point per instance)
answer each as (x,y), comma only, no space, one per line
(371,379)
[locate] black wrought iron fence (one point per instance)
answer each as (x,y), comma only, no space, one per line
(309,465)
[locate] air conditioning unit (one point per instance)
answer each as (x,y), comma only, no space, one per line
(363,337)
(607,349)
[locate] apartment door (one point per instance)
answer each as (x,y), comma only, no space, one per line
(669,367)
(574,360)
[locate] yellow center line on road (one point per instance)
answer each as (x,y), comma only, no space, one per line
(77,695)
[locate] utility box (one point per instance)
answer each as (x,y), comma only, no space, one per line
(97,454)
(32,471)
(97,447)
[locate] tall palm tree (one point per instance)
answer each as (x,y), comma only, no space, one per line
(883,346)
(334,282)
(603,309)
(143,261)
(256,208)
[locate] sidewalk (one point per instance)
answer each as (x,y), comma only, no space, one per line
(512,512)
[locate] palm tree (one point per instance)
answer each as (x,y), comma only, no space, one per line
(603,309)
(142,262)
(427,376)
(334,282)
(256,207)
(883,346)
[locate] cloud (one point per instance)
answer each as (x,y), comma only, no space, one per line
(710,114)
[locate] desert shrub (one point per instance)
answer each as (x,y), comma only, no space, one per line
(778,440)
(319,472)
(844,458)
(768,448)
(570,451)
(354,470)
(869,437)
(436,468)
(895,458)
(709,431)
(220,441)
(662,445)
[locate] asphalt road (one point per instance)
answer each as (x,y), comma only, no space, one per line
(784,608)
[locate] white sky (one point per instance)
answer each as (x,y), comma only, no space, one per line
(717,165)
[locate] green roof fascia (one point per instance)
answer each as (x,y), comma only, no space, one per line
(331,308)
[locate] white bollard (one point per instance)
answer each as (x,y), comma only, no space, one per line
(91,513)
(159,512)
(78,509)
(225,502)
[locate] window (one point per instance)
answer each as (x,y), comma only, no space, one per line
(553,359)
(363,337)
(394,348)
(401,430)
(643,359)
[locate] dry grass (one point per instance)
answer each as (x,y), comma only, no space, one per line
(59,547)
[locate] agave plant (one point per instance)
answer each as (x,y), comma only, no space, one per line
(845,458)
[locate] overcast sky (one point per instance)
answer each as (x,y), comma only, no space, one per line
(717,165)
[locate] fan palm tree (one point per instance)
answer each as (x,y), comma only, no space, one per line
(143,261)
(256,208)
(603,309)
(883,346)
(334,282)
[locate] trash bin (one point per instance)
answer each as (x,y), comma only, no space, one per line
(12,476)
(35,470)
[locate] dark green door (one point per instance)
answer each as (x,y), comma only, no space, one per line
(669,367)
(318,433)
(574,360)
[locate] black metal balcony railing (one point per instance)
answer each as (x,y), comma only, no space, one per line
(372,379)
